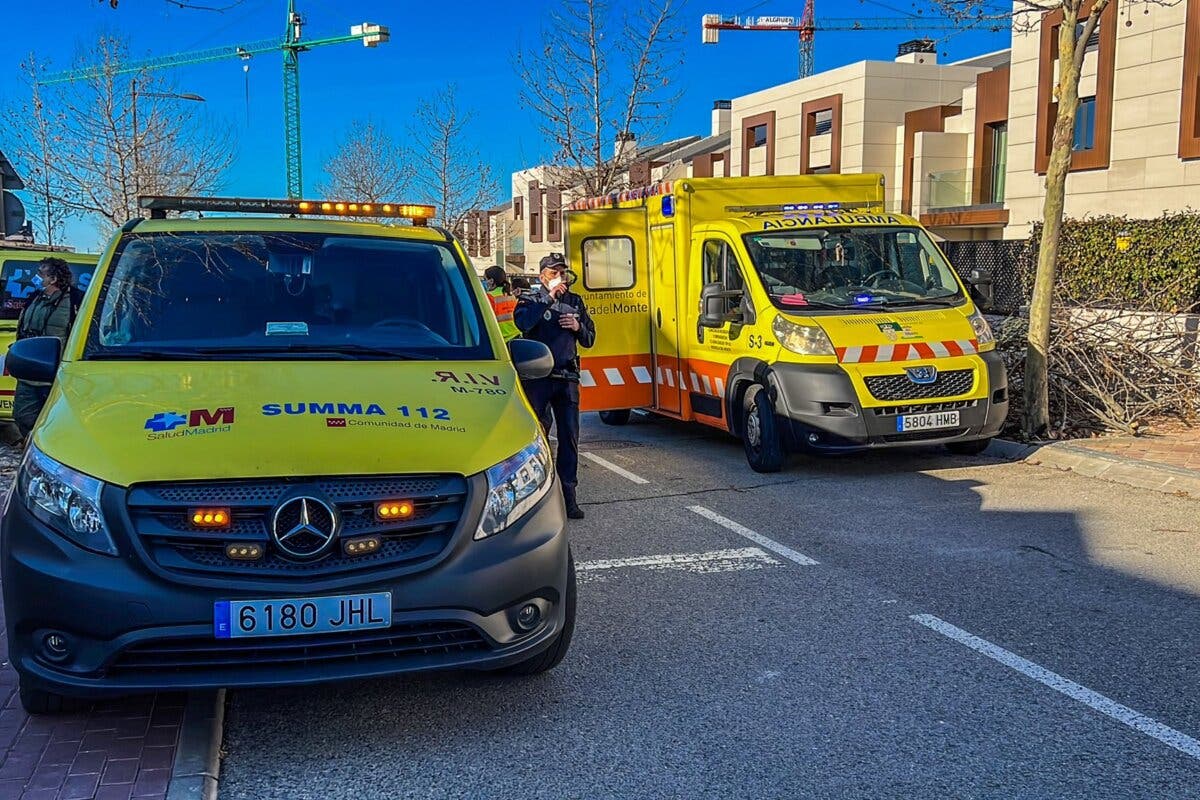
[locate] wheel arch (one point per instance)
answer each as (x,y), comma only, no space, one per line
(744,372)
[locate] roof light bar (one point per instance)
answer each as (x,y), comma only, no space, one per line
(159,205)
(802,208)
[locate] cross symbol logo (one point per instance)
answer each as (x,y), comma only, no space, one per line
(165,421)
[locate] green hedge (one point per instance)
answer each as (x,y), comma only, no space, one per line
(1160,271)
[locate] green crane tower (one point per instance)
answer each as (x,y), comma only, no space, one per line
(291,45)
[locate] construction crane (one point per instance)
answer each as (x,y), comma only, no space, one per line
(808,25)
(291,44)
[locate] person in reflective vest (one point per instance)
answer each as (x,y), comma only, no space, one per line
(503,303)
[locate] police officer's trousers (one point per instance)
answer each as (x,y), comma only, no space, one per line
(28,400)
(556,400)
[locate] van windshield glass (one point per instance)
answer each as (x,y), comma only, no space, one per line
(19,280)
(852,267)
(281,295)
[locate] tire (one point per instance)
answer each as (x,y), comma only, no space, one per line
(615,417)
(549,658)
(760,431)
(972,448)
(37,702)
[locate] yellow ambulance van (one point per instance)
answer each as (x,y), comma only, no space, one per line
(795,312)
(281,448)
(19,280)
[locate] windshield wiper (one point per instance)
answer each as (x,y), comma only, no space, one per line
(346,350)
(131,354)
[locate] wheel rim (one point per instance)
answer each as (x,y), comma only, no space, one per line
(753,427)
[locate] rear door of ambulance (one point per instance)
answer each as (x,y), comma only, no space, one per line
(607,250)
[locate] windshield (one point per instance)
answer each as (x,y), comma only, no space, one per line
(19,279)
(279,295)
(852,268)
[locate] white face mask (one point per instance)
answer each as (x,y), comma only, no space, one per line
(554,283)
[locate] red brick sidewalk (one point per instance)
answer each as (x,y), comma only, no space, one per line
(117,749)
(1176,448)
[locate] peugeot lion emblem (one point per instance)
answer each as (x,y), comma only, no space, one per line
(922,376)
(304,527)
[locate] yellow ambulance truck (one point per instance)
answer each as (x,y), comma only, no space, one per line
(18,281)
(795,312)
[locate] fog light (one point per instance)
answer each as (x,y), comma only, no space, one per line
(362,546)
(56,646)
(528,617)
(243,552)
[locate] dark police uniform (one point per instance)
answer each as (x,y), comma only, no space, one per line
(556,398)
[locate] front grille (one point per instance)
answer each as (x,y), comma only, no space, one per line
(924,408)
(159,513)
(398,643)
(896,388)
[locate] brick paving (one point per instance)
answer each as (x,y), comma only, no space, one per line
(1179,448)
(115,750)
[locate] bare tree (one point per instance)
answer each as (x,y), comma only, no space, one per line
(1080,19)
(33,128)
(602,73)
(450,172)
(368,166)
(104,140)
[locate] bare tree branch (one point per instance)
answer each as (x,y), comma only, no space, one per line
(601,72)
(368,166)
(450,172)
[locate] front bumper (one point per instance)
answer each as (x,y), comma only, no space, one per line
(132,630)
(820,410)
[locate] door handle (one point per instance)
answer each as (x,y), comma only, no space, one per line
(659,313)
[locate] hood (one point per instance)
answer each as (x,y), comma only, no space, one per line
(129,422)
(925,332)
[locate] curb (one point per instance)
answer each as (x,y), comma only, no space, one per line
(198,757)
(1093,464)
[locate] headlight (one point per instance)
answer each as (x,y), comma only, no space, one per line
(807,340)
(515,485)
(983,331)
(66,500)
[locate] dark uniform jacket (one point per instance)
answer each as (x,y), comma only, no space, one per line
(537,316)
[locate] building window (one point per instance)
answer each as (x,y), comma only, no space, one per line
(823,122)
(757,136)
(1093,41)
(1085,125)
(608,263)
(1092,143)
(997,164)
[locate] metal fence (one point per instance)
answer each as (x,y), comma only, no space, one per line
(1006,259)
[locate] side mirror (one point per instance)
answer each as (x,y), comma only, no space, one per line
(35,359)
(982,288)
(713,299)
(532,359)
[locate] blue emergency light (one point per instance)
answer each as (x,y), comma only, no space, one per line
(862,299)
(668,205)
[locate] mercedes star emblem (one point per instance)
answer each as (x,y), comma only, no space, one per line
(304,527)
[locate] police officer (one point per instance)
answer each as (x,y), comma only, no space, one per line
(503,303)
(553,315)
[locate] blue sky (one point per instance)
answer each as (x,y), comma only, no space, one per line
(432,43)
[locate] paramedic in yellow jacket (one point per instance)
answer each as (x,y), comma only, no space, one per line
(502,300)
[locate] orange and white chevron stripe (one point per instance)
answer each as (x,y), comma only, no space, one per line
(914,351)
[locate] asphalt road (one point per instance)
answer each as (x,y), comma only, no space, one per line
(969,629)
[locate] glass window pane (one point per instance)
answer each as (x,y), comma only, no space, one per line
(608,263)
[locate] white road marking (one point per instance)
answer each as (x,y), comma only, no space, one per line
(757,538)
(604,462)
(712,561)
(1098,702)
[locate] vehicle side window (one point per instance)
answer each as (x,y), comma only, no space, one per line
(608,263)
(721,266)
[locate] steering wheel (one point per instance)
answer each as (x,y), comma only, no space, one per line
(874,277)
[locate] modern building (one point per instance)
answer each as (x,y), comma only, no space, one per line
(965,145)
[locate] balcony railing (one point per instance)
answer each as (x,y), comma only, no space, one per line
(950,188)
